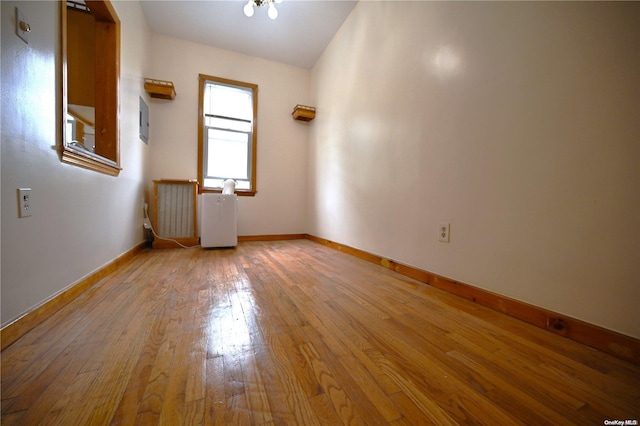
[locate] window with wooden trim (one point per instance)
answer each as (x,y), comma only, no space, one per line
(227,134)
(90,70)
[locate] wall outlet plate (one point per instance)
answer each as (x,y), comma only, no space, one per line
(443,231)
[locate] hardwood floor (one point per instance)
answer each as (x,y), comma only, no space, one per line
(292,332)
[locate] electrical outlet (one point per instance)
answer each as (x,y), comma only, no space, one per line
(443,231)
(24,202)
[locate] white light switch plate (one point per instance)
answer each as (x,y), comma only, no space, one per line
(24,202)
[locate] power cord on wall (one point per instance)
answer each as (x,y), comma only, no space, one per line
(147,225)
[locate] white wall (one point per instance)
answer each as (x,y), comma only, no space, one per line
(518,123)
(279,207)
(81,220)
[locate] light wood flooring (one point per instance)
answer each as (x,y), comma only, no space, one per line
(295,333)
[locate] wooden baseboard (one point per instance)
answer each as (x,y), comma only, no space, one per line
(275,237)
(19,327)
(611,342)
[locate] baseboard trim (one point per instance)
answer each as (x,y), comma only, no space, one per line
(22,325)
(608,341)
(274,237)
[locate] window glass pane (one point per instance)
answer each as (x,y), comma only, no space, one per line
(227,154)
(213,183)
(243,184)
(228,101)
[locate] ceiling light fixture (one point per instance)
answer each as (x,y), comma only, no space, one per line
(272,12)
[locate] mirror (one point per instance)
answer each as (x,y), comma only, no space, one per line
(90,79)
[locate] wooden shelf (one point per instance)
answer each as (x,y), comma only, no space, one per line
(160,89)
(303,113)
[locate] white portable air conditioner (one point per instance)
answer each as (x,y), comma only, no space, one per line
(219,220)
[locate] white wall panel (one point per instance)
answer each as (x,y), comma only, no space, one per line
(516,122)
(279,207)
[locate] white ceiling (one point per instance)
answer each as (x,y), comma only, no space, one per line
(297,37)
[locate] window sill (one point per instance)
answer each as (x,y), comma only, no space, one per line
(239,193)
(86,161)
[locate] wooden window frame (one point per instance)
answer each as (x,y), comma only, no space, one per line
(202,79)
(107,94)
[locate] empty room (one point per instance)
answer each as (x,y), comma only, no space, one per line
(302,212)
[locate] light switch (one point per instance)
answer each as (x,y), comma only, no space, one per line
(22,26)
(24,202)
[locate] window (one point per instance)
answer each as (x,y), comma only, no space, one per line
(90,70)
(227,134)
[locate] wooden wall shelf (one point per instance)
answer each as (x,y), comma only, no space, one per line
(160,89)
(303,113)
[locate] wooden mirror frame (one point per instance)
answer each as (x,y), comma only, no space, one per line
(107,85)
